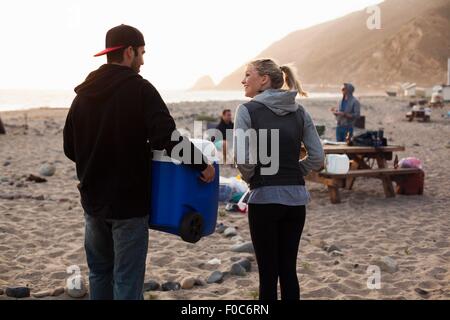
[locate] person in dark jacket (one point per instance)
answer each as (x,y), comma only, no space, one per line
(224,125)
(2,128)
(114,122)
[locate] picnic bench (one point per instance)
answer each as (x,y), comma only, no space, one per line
(362,164)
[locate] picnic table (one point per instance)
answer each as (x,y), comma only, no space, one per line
(418,114)
(362,164)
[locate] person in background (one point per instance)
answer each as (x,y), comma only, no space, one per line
(347,113)
(2,127)
(276,203)
(225,124)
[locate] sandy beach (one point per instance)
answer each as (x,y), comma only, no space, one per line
(42,224)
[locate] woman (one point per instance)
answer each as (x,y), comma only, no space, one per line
(277,201)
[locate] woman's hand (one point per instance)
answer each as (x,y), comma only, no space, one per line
(208,174)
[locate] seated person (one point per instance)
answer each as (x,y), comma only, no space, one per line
(225,124)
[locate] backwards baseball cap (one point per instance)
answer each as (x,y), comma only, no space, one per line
(121,37)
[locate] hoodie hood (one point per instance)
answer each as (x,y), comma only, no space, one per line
(350,89)
(103,82)
(281,102)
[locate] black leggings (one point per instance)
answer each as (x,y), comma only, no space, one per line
(276,231)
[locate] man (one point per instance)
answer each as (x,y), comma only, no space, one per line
(2,128)
(225,124)
(114,122)
(348,112)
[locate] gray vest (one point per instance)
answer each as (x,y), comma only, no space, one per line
(290,128)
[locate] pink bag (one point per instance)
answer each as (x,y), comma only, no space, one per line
(410,162)
(412,184)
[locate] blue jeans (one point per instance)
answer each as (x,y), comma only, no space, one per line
(341,133)
(116,252)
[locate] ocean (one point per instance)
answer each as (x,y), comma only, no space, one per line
(30,99)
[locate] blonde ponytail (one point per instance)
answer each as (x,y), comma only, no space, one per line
(291,80)
(279,75)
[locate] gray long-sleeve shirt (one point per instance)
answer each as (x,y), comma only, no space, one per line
(351,107)
(280,102)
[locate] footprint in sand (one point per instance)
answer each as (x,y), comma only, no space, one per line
(322,293)
(56,254)
(341,288)
(60,275)
(341,273)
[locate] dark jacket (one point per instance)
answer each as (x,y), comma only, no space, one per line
(114,122)
(223,127)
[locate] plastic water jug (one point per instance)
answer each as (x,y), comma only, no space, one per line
(337,163)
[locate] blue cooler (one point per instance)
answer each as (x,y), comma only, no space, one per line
(182,204)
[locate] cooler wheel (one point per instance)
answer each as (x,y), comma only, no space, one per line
(191,227)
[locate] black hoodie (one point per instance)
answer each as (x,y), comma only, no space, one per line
(114,122)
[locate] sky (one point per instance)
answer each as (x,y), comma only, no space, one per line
(49,44)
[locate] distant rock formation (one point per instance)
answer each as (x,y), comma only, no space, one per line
(204,83)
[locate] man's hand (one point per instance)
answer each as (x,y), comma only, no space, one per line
(336,112)
(208,174)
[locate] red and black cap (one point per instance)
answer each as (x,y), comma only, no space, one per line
(120,37)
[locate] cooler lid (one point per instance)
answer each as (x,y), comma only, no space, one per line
(207,147)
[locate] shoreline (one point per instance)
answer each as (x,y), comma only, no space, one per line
(189,102)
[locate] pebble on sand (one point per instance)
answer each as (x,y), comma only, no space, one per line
(246,264)
(421,291)
(237,270)
(215,277)
(188,283)
(42,294)
(58,291)
(18,292)
(171,286)
(230,232)
(387,264)
(151,285)
(200,282)
(332,248)
(337,253)
(220,228)
(214,262)
(246,247)
(47,170)
(77,288)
